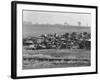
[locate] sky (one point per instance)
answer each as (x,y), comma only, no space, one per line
(44,17)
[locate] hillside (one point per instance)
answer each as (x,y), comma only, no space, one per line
(37,29)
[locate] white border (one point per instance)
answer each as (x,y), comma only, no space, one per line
(35,72)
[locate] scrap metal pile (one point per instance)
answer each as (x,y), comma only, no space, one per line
(66,40)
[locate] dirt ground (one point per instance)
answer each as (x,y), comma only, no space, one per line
(55,58)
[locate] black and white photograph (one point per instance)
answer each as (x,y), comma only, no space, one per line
(53,39)
(56,39)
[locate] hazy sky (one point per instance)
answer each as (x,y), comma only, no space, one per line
(42,17)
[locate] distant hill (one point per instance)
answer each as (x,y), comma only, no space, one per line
(37,29)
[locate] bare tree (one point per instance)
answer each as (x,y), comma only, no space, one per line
(79,23)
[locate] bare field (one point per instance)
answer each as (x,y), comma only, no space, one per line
(55,58)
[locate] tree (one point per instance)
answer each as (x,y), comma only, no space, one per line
(79,23)
(65,23)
